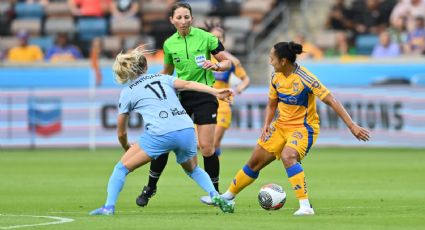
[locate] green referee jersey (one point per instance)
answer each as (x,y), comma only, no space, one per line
(188,53)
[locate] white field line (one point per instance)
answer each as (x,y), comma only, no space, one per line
(58,220)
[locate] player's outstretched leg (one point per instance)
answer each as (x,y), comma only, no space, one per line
(156,168)
(243,178)
(115,184)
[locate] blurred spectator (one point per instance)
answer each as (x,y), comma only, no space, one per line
(398,32)
(416,38)
(309,49)
(7,13)
(124,9)
(408,10)
(89,8)
(369,17)
(385,47)
(338,21)
(24,52)
(63,50)
(338,16)
(3,54)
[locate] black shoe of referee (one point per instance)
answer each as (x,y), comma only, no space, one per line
(143,199)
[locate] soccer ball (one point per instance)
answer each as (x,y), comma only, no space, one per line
(271,197)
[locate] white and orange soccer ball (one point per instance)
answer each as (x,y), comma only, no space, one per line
(271,197)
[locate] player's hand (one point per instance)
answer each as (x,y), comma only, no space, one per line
(225,95)
(265,131)
(209,65)
(359,132)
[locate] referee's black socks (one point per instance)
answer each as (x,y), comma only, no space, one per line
(212,167)
(156,168)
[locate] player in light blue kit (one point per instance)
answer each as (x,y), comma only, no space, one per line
(167,126)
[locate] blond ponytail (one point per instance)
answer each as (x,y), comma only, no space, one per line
(129,66)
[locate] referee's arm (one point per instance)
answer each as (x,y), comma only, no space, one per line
(223,63)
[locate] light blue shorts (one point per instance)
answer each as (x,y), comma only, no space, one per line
(181,142)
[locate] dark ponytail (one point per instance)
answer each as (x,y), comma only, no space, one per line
(288,50)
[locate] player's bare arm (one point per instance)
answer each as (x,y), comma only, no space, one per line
(122,122)
(270,112)
(359,132)
(222,94)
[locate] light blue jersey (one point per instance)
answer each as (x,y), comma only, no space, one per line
(153,96)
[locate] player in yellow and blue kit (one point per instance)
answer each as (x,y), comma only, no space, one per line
(289,137)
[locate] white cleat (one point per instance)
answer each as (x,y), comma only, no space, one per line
(207,200)
(304,212)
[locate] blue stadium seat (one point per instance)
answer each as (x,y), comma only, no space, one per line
(365,43)
(45,43)
(89,28)
(24,10)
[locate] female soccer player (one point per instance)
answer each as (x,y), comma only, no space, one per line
(189,51)
(167,125)
(289,137)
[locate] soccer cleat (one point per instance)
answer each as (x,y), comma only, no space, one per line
(304,212)
(143,199)
(227,206)
(207,200)
(105,211)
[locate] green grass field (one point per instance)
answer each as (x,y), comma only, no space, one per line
(349,188)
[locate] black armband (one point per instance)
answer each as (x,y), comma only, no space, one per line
(219,48)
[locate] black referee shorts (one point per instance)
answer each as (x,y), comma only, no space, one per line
(202,107)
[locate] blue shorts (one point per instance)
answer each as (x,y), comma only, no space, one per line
(182,142)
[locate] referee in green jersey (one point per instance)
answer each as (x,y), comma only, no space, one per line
(188,52)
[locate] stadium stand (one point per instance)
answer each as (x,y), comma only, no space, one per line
(33,10)
(126,27)
(32,25)
(89,28)
(45,42)
(365,43)
(241,18)
(57,9)
(54,25)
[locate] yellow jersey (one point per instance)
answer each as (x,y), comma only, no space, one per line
(296,97)
(29,53)
(222,77)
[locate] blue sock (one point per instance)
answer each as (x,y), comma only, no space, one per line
(203,180)
(217,151)
(115,184)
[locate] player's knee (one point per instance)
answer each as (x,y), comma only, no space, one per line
(206,149)
(288,159)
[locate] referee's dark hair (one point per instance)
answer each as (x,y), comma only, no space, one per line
(288,50)
(178,5)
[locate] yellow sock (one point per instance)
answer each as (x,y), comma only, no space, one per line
(297,179)
(242,179)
